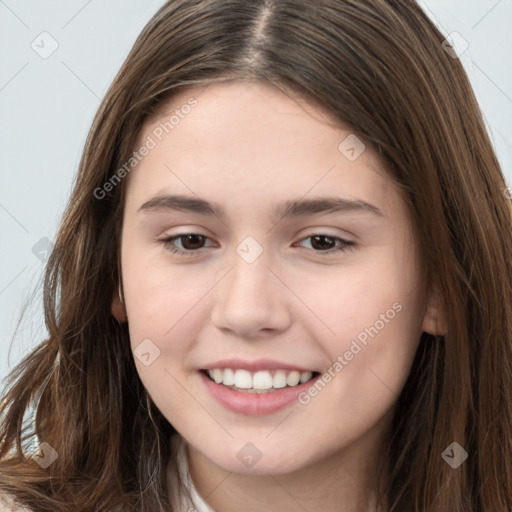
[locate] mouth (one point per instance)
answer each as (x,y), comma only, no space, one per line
(260,381)
(256,387)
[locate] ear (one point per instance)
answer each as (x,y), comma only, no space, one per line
(434,320)
(118,308)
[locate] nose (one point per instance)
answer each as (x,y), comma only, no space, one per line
(251,301)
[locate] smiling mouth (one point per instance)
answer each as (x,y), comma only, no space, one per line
(262,381)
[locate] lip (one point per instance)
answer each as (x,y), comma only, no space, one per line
(253,366)
(254,404)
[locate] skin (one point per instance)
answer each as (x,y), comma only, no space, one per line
(248,146)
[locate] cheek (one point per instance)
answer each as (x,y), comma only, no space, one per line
(369,325)
(169,306)
(343,302)
(165,308)
(370,358)
(161,297)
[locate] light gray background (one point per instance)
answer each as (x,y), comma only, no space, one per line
(47,106)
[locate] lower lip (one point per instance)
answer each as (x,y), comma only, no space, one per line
(254,404)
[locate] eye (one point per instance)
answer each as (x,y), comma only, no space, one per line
(326,244)
(190,243)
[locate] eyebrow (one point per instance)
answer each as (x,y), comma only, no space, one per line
(293,208)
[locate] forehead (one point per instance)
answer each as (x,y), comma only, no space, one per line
(253,140)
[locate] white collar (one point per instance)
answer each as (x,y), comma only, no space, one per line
(181,502)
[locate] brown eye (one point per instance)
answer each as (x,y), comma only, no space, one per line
(322,242)
(326,244)
(190,243)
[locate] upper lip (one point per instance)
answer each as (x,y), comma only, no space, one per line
(254,365)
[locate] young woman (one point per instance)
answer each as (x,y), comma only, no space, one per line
(283,279)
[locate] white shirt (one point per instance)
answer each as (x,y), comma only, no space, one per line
(183,503)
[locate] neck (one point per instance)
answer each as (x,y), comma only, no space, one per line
(345,481)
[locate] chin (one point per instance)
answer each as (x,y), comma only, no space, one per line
(260,457)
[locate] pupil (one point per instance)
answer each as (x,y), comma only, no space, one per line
(317,238)
(191,238)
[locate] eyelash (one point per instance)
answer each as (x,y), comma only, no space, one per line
(345,245)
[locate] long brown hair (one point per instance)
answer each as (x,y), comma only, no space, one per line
(379,67)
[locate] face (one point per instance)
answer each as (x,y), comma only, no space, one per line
(266,245)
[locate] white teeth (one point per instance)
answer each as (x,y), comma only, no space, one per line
(279,379)
(217,375)
(293,378)
(243,379)
(305,376)
(229,377)
(260,381)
